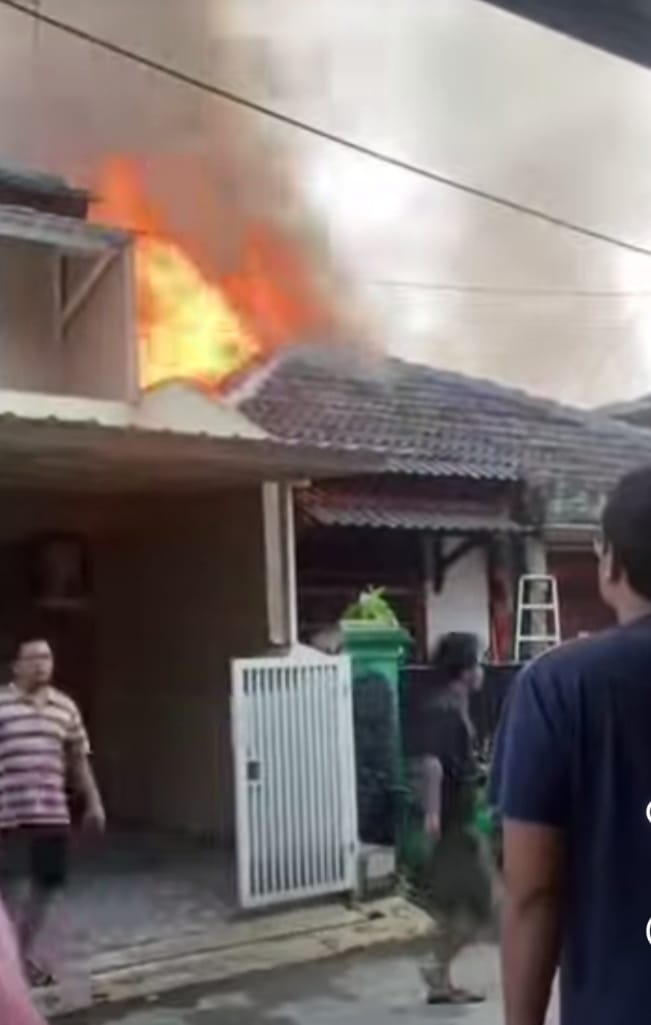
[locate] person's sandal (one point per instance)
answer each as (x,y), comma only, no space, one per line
(454,997)
(37,977)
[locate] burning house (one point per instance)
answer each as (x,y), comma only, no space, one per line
(145,530)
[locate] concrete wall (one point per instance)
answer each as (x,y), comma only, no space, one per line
(463,603)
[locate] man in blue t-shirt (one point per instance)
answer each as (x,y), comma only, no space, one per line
(572,781)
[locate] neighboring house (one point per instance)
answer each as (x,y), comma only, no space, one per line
(149,535)
(637,412)
(481,483)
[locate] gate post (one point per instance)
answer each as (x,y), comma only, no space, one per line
(377,655)
(280,563)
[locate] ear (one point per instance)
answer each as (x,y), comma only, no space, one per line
(611,568)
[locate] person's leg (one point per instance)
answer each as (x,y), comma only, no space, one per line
(48,875)
(12,873)
(452,935)
(436,974)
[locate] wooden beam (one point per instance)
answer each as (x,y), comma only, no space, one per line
(438,567)
(59,294)
(85,287)
(443,562)
(429,611)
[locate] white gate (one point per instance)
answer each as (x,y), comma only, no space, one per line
(295,784)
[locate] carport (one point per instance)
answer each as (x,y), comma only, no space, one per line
(152,543)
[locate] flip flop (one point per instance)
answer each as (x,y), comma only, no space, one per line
(37,977)
(455,997)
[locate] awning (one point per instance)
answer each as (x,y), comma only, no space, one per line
(348,507)
(69,234)
(90,445)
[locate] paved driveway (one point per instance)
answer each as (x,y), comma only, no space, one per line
(377,989)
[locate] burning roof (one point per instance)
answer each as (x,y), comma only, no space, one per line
(196,323)
(45,192)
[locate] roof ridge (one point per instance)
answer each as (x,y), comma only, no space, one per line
(495,387)
(328,358)
(613,410)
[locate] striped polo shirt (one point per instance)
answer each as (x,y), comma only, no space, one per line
(35,733)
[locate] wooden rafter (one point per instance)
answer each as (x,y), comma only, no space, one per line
(82,292)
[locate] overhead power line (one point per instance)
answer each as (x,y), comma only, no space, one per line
(353,146)
(463,288)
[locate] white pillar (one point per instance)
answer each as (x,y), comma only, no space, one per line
(536,556)
(429,596)
(280,560)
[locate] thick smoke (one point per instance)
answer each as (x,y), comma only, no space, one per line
(215,171)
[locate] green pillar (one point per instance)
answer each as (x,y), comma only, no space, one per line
(379,651)
(376,650)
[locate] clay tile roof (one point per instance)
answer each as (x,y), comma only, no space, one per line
(349,504)
(430,422)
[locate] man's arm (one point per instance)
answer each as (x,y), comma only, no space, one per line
(534,862)
(432,784)
(83,780)
(81,774)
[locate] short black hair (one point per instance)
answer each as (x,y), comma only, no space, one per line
(455,654)
(626,527)
(30,637)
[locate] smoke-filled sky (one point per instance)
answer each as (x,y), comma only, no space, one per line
(454,85)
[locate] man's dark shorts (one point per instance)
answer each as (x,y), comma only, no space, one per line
(41,854)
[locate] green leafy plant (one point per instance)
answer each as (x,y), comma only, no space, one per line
(371,607)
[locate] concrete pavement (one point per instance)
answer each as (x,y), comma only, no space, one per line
(363,989)
(272,942)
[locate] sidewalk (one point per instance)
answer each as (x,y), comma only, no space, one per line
(375,987)
(257,944)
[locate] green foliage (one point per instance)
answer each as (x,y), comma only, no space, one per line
(372,607)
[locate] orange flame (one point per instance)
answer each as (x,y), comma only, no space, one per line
(193,326)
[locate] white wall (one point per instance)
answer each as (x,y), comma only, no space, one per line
(536,555)
(463,603)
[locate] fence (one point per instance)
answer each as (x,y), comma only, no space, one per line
(295,790)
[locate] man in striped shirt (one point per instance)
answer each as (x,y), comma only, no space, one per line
(43,749)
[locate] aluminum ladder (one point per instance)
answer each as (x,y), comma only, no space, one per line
(538,626)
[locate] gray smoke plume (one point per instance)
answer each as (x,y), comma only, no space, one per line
(212,169)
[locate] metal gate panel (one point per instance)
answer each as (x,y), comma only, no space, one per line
(295,787)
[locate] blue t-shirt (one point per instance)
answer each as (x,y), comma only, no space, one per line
(574,751)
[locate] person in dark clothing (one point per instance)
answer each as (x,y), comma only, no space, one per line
(447,865)
(572,782)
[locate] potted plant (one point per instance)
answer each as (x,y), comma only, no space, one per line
(371,608)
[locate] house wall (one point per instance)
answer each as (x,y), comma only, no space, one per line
(100,348)
(581,607)
(30,354)
(463,604)
(536,555)
(176,602)
(178,589)
(97,357)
